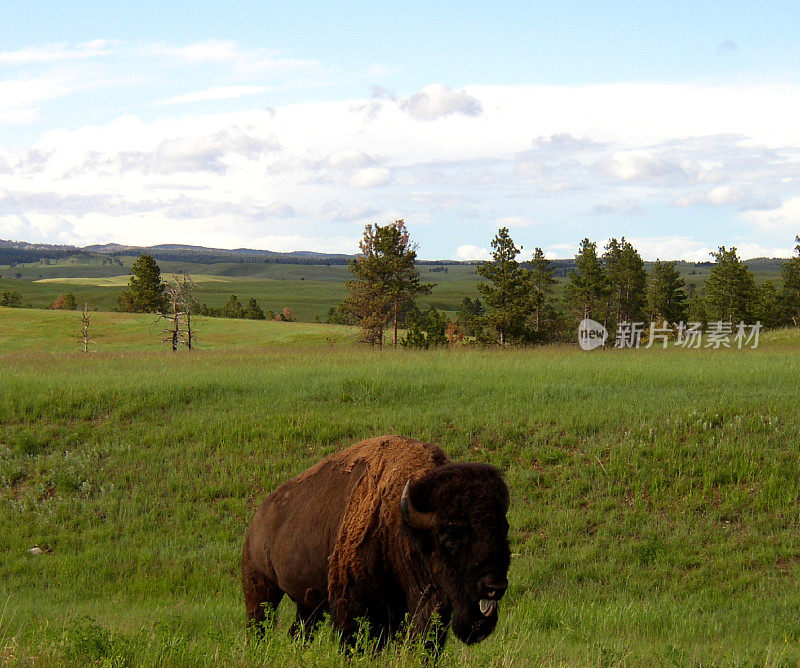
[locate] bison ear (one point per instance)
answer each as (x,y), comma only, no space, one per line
(413,517)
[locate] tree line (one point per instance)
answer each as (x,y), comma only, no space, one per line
(148,292)
(174,302)
(517,304)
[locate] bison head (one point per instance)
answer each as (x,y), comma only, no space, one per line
(456,515)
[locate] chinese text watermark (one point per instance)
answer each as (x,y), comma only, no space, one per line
(716,335)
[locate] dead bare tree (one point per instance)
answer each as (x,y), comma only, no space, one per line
(178,313)
(189,307)
(172,315)
(86,317)
(188,335)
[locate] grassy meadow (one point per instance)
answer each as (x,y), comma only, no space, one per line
(311,290)
(308,289)
(654,514)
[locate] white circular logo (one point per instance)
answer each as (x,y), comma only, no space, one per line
(591,334)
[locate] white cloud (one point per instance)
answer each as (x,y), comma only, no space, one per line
(627,207)
(637,166)
(279,210)
(50,53)
(336,210)
(20,99)
(730,194)
(785,218)
(370,177)
(555,251)
(18,116)
(561,143)
(216,93)
(470,252)
(487,154)
(747,250)
(640,114)
(724,195)
(437,100)
(671,248)
(220,51)
(676,247)
(348,158)
(213,50)
(687,248)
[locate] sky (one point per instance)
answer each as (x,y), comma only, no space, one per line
(289,126)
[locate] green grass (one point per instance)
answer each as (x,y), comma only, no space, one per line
(58,332)
(309,289)
(122,281)
(654,515)
(308,298)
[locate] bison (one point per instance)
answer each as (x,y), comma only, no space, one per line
(388,530)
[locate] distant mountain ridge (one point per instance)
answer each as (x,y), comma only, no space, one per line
(23,251)
(17,252)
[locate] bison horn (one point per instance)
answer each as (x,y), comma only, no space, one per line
(413,517)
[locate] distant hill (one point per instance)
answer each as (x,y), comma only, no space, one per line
(16,252)
(19,252)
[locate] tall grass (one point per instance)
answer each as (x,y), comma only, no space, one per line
(654,515)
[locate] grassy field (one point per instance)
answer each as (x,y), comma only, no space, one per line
(58,332)
(654,515)
(309,289)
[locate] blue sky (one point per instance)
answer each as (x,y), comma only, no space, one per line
(291,126)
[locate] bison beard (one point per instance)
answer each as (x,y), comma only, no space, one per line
(388,530)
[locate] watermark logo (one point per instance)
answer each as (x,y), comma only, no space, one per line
(591,334)
(719,334)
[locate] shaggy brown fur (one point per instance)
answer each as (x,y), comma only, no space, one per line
(334,540)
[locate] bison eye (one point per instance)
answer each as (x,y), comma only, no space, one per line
(450,544)
(452,540)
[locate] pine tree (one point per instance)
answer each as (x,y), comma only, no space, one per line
(253,311)
(470,316)
(768,307)
(233,308)
(542,282)
(586,291)
(790,289)
(146,291)
(627,281)
(508,294)
(730,288)
(385,281)
(697,310)
(666,299)
(11,299)
(425,328)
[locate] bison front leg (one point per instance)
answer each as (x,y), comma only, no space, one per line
(261,599)
(429,620)
(361,620)
(306,621)
(346,616)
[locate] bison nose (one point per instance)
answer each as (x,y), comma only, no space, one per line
(493,588)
